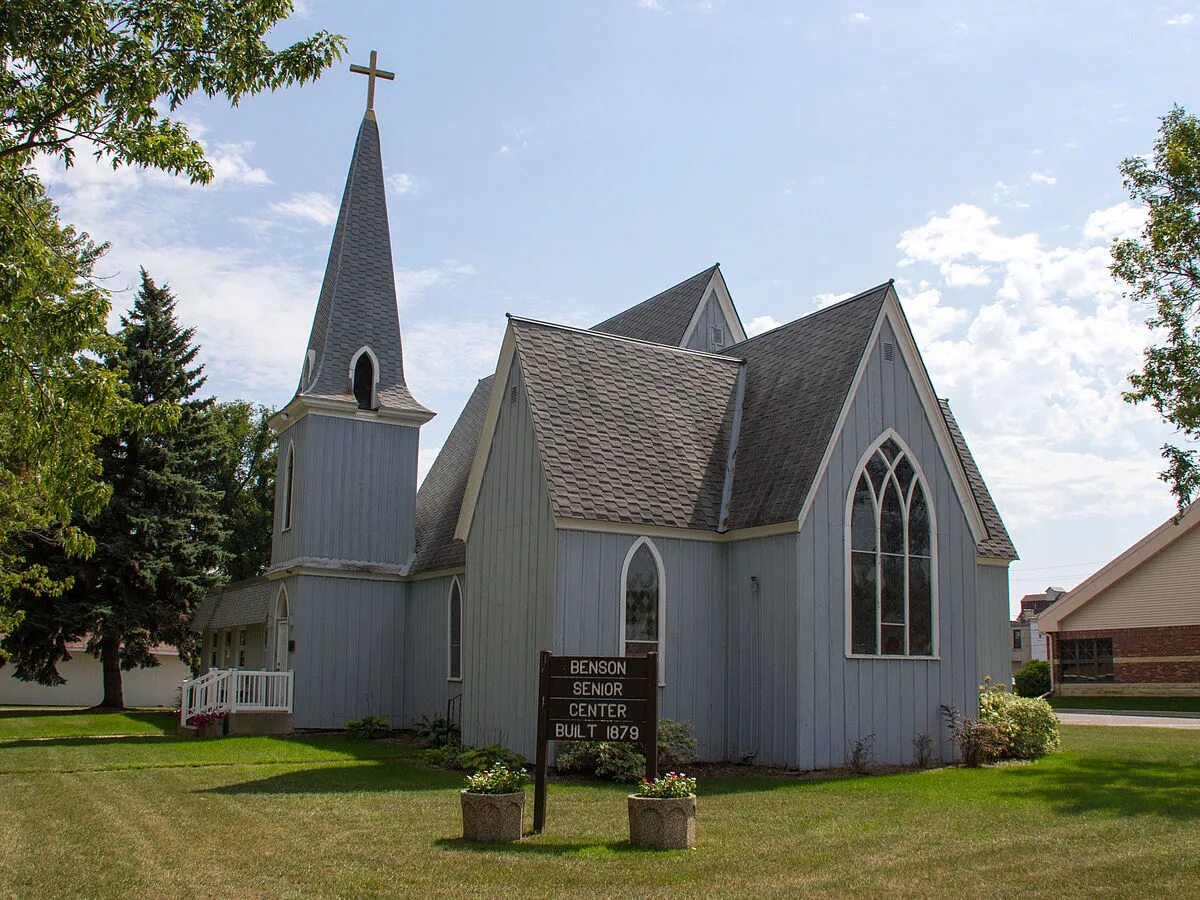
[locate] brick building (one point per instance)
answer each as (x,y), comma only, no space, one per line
(1133,627)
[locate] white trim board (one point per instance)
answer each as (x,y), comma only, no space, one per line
(893,314)
(717,287)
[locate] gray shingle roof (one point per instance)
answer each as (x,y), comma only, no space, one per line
(357,304)
(440,497)
(664,317)
(997,544)
(628,431)
(246,602)
(797,378)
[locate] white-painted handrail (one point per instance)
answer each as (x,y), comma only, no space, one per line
(232,690)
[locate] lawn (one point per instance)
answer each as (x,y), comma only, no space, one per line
(1139,704)
(1117,812)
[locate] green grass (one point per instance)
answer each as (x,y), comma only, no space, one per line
(1147,704)
(47,722)
(1116,813)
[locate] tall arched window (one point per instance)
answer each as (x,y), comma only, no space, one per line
(454,653)
(364,372)
(643,602)
(289,477)
(892,602)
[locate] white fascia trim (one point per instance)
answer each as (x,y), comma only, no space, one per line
(335,568)
(1162,537)
(487,432)
(716,287)
(996,561)
(566,523)
(662,604)
(894,315)
(302,405)
(436,573)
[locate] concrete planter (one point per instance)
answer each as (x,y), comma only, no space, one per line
(667,823)
(493,818)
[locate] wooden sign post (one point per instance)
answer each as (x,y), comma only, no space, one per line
(595,698)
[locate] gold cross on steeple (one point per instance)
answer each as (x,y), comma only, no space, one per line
(372,72)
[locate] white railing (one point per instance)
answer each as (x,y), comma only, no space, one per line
(234,690)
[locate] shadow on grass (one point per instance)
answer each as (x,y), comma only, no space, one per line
(369,776)
(1115,787)
(139,715)
(570,848)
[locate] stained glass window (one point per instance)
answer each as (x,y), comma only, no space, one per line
(641,603)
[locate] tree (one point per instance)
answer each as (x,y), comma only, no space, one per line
(97,71)
(243,473)
(1162,268)
(158,540)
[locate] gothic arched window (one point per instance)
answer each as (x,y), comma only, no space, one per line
(454,651)
(364,376)
(643,602)
(892,603)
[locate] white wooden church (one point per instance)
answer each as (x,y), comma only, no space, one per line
(793,521)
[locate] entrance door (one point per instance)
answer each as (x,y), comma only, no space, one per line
(281,646)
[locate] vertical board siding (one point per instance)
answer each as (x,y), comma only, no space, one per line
(710,315)
(995,639)
(589,614)
(893,699)
(508,614)
(348,635)
(427,648)
(354,491)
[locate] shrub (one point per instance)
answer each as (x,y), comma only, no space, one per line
(862,753)
(497,779)
(479,759)
(976,741)
(368,727)
(437,732)
(198,719)
(669,786)
(627,762)
(1025,727)
(1033,678)
(922,751)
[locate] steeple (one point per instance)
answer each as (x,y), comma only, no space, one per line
(354,352)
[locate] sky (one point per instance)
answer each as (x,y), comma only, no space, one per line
(564,160)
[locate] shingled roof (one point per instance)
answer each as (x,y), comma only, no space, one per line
(246,602)
(440,497)
(663,318)
(797,378)
(357,304)
(997,544)
(629,431)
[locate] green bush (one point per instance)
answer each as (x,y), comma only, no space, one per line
(1025,727)
(437,732)
(626,762)
(1033,678)
(368,727)
(474,759)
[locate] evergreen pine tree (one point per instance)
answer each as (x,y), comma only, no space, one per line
(158,542)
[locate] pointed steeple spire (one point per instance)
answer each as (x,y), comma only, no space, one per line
(357,305)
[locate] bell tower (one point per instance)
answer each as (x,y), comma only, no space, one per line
(345,496)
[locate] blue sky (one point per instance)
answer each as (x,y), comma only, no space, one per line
(564,160)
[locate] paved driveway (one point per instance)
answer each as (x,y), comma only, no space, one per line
(1103,718)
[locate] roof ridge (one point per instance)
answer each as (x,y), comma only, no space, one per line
(605,335)
(642,303)
(818,312)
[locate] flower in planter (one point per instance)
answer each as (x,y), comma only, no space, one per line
(673,785)
(499,779)
(205,718)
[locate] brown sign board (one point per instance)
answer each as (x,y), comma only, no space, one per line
(595,698)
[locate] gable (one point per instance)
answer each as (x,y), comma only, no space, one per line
(1164,590)
(716,324)
(665,318)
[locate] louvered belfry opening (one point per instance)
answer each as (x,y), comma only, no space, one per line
(364,381)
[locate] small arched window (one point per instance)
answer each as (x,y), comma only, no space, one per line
(289,479)
(454,655)
(363,376)
(892,604)
(643,602)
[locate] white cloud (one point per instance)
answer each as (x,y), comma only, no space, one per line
(861,18)
(411,282)
(450,354)
(759,324)
(820,301)
(1121,221)
(1035,369)
(402,183)
(653,5)
(309,205)
(230,165)
(1042,178)
(1182,19)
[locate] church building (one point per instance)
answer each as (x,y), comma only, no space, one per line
(793,521)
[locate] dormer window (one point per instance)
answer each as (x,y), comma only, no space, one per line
(364,375)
